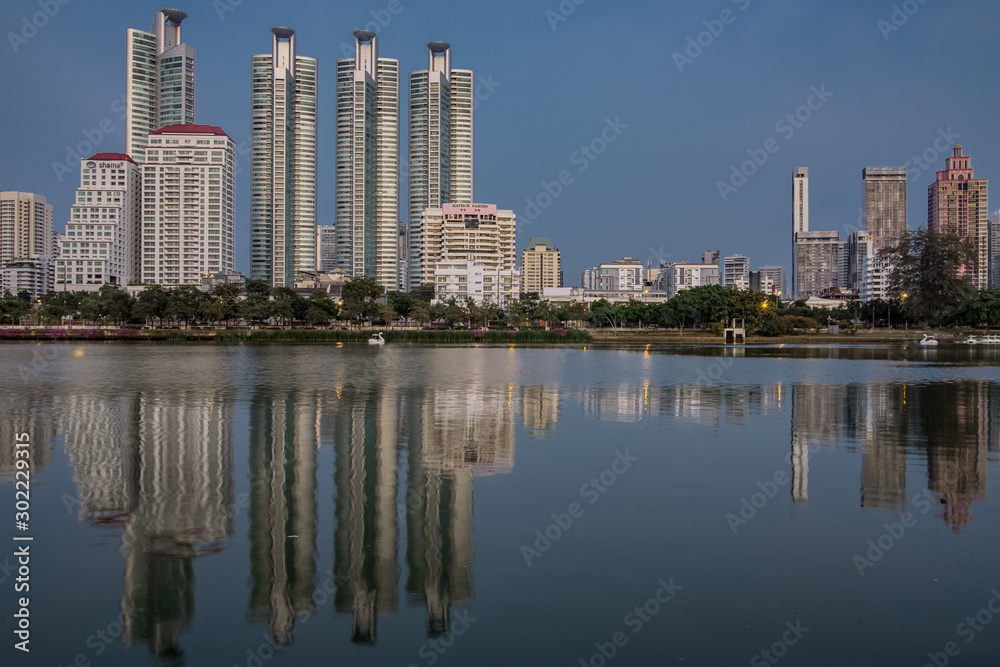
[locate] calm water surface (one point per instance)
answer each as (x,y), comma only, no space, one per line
(290,505)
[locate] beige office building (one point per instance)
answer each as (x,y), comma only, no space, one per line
(459,232)
(541,266)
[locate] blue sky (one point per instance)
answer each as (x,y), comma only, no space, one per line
(559,80)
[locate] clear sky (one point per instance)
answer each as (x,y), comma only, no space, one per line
(554,81)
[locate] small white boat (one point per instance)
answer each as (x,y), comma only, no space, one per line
(378,340)
(971,340)
(928,340)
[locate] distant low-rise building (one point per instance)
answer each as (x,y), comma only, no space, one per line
(776,274)
(679,276)
(471,280)
(27,275)
(736,267)
(625,274)
(541,266)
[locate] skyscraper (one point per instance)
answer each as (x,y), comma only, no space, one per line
(26,234)
(189,209)
(884,204)
(800,217)
(957,204)
(159,80)
(817,263)
(367,167)
(326,248)
(283,159)
(995,249)
(441,133)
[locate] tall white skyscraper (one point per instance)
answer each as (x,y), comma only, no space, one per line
(326,248)
(159,80)
(102,242)
(367,165)
(800,217)
(283,159)
(189,205)
(441,133)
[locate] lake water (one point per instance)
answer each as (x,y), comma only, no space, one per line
(346,505)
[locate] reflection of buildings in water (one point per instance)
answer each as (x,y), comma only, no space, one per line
(819,417)
(621,403)
(283,442)
(162,469)
(454,438)
(102,436)
(540,406)
(956,419)
(32,415)
(881,429)
(366,573)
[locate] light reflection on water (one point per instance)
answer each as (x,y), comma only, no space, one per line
(190,453)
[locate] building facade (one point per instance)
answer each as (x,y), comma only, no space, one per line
(884,204)
(860,245)
(103,240)
(817,262)
(159,80)
(679,276)
(541,266)
(622,275)
(326,248)
(189,206)
(441,145)
(736,267)
(367,163)
(995,249)
(470,280)
(957,204)
(283,162)
(460,232)
(777,275)
(25,227)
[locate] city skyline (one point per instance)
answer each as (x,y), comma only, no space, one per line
(524,155)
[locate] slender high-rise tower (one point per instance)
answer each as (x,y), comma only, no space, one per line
(367,165)
(159,80)
(441,133)
(957,204)
(283,162)
(800,217)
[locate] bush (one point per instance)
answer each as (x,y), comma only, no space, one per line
(716,328)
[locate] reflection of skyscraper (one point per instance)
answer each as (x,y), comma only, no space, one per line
(162,467)
(365,543)
(540,406)
(282,509)
(34,417)
(956,421)
(882,432)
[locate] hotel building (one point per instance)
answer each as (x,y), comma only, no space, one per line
(283,162)
(461,232)
(189,214)
(102,242)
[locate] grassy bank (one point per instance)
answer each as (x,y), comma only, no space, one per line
(238,336)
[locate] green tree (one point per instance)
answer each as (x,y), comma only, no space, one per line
(454,313)
(604,312)
(116,305)
(12,309)
(360,295)
(424,292)
(577,312)
(184,303)
(256,307)
(931,273)
(421,313)
(402,302)
(320,309)
(229,296)
(287,305)
(151,304)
